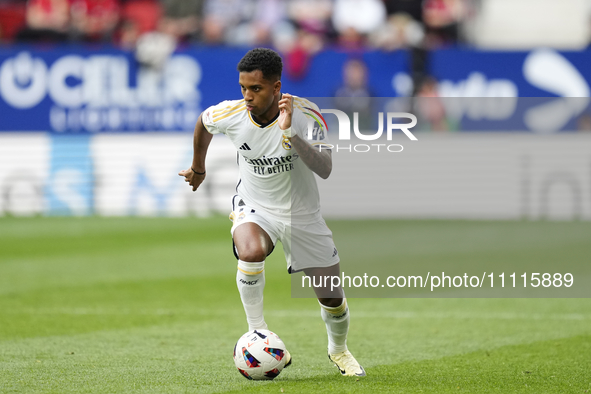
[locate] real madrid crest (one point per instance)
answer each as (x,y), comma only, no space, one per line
(286,143)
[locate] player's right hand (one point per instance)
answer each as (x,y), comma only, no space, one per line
(194,179)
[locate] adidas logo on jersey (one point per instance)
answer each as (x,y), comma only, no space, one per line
(245,147)
(335,252)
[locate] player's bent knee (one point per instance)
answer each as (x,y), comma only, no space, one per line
(252,255)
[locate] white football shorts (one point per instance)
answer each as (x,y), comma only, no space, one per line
(307,242)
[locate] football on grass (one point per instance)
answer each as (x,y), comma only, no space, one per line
(259,355)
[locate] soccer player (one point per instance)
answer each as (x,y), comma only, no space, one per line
(277,195)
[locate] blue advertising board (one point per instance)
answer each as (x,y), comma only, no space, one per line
(553,88)
(87,89)
(81,89)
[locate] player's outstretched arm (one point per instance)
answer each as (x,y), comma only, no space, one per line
(317,160)
(201,139)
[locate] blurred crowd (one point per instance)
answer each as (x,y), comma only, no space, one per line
(298,29)
(295,27)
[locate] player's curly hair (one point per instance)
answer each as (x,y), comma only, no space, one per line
(264,59)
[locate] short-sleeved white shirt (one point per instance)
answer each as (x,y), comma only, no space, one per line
(272,175)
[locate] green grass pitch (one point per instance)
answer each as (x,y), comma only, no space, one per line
(137,305)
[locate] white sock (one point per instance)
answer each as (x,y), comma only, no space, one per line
(250,279)
(337,326)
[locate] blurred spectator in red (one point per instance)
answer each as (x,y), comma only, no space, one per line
(302,33)
(12,18)
(94,20)
(355,19)
(137,17)
(297,57)
(152,36)
(47,20)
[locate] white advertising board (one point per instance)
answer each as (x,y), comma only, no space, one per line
(453,175)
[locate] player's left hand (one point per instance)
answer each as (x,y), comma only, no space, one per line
(285,113)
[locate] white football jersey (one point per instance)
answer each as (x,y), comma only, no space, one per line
(272,175)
